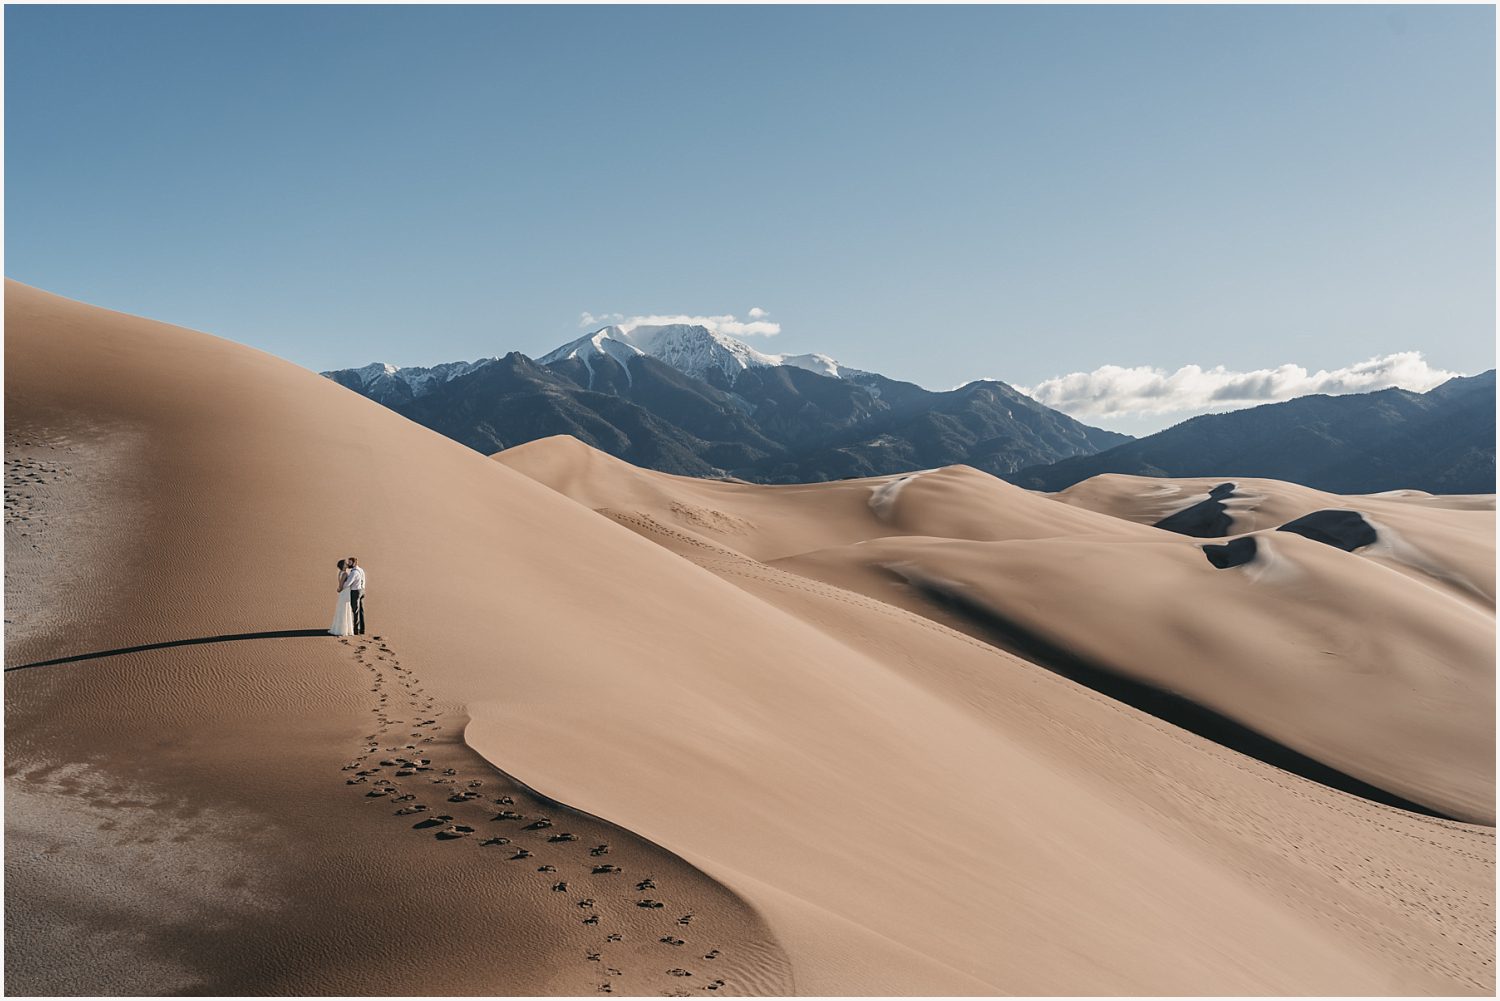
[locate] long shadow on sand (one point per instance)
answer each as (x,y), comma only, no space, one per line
(279,634)
(1164,705)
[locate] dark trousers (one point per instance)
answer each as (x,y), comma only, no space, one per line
(357,603)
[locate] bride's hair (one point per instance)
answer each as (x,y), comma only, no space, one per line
(341,564)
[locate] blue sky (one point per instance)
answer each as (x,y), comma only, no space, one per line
(938,194)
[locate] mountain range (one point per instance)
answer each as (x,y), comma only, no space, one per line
(688,400)
(1441,441)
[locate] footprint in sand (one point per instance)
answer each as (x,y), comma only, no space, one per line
(559,838)
(546,868)
(456,831)
(598,850)
(538,825)
(711,954)
(686,919)
(437,821)
(592,919)
(520,854)
(646,884)
(670,940)
(602,870)
(494,841)
(650,904)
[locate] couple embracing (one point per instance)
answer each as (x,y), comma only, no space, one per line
(349,611)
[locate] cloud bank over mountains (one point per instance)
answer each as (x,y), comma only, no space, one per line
(756,326)
(1112,391)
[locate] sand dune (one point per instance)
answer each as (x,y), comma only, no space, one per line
(847,796)
(1448,541)
(1316,648)
(770,522)
(1353,665)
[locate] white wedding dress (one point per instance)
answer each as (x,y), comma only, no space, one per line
(343,616)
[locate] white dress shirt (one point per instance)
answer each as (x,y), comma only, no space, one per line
(356,581)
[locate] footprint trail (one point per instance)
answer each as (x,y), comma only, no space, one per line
(632,933)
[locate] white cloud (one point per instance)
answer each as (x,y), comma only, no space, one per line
(587,319)
(756,326)
(1113,391)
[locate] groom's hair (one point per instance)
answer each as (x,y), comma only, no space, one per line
(353,561)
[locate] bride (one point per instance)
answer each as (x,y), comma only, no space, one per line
(343,614)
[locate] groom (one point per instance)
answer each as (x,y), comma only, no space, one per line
(356,588)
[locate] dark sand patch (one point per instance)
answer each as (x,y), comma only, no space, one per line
(1346,530)
(1207,519)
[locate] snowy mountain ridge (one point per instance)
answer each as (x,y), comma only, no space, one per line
(694,350)
(379,380)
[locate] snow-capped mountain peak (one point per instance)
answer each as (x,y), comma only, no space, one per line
(819,363)
(606,342)
(695,350)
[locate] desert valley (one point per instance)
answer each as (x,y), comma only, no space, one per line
(620,730)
